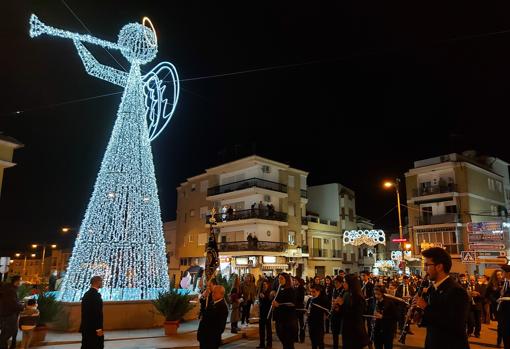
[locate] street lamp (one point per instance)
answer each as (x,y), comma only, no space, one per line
(25,260)
(396,185)
(44,245)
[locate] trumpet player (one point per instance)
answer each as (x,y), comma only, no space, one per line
(445,306)
(385,320)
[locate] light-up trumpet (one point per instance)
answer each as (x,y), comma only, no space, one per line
(37,28)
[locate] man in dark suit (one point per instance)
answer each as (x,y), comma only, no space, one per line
(91,327)
(504,308)
(367,290)
(213,321)
(476,294)
(406,291)
(445,305)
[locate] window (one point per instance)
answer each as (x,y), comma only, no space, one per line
(202,239)
(351,215)
(185,218)
(204,211)
(203,186)
(451,209)
(292,237)
(192,213)
(292,211)
(499,186)
(190,238)
(193,187)
(290,183)
(490,183)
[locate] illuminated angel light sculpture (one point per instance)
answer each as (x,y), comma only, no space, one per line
(121,236)
(367,237)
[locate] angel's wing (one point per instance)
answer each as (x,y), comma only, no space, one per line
(159,107)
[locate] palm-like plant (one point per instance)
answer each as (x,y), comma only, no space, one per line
(48,308)
(173,305)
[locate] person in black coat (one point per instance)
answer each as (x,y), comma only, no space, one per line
(336,318)
(265,330)
(445,304)
(503,309)
(10,307)
(406,291)
(476,294)
(91,326)
(317,307)
(367,290)
(386,316)
(213,322)
(352,307)
(300,307)
(284,312)
(205,297)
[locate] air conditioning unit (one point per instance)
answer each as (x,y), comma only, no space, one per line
(267,198)
(266,169)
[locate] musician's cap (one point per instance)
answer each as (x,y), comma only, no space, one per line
(506,268)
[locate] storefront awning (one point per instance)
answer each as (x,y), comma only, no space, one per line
(275,266)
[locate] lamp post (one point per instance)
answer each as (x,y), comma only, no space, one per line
(44,245)
(17,255)
(396,185)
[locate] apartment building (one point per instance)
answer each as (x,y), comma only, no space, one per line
(7,147)
(447,192)
(32,270)
(253,196)
(331,211)
(170,233)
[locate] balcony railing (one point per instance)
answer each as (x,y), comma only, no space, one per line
(305,220)
(245,184)
(439,219)
(336,253)
(435,189)
(318,252)
(304,249)
(304,193)
(247,214)
(269,246)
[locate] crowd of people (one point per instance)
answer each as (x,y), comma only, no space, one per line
(365,310)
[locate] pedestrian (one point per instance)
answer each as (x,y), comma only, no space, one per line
(284,308)
(352,307)
(317,309)
(213,322)
(483,281)
(10,307)
(235,301)
(28,321)
(265,330)
(367,290)
(91,326)
(205,297)
(504,308)
(385,320)
(299,286)
(255,241)
(328,294)
(336,318)
(476,295)
(445,304)
(405,291)
(248,293)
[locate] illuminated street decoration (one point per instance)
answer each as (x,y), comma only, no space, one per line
(367,237)
(121,236)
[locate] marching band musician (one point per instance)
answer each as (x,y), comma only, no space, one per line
(503,312)
(385,320)
(317,308)
(336,318)
(367,290)
(406,291)
(446,305)
(284,306)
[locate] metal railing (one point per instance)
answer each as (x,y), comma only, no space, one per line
(305,220)
(247,214)
(270,246)
(439,219)
(336,254)
(318,252)
(435,189)
(245,184)
(304,193)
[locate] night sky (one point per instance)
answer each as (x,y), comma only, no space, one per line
(356,92)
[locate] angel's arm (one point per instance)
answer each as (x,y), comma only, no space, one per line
(94,68)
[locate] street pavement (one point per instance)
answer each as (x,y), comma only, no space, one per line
(248,338)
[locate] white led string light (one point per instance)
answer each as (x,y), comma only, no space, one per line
(121,236)
(367,237)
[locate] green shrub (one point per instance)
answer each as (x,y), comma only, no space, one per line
(48,308)
(173,305)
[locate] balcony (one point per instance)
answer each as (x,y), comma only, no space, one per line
(249,214)
(336,254)
(263,246)
(305,220)
(439,219)
(435,189)
(318,252)
(246,184)
(304,194)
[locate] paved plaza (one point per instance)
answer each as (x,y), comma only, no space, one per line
(248,338)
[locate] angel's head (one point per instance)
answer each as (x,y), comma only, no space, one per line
(138,43)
